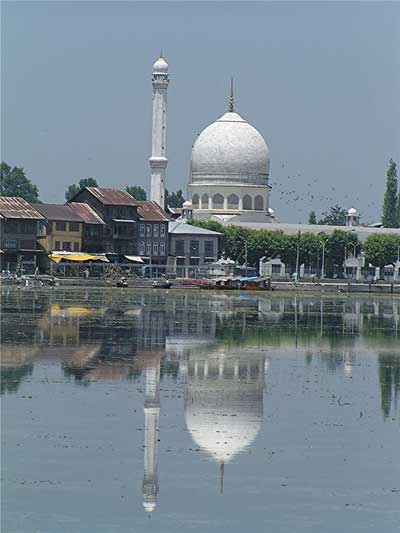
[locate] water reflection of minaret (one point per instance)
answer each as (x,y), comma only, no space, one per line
(224,402)
(151,424)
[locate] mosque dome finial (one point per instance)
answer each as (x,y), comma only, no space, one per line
(160,66)
(231,102)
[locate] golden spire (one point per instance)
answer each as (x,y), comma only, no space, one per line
(231,107)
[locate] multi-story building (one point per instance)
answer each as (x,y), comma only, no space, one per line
(191,248)
(20,226)
(64,228)
(93,227)
(118,209)
(152,235)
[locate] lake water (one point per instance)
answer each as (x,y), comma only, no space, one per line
(195,411)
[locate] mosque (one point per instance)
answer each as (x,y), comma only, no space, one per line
(229,171)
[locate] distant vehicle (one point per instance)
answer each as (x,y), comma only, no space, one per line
(122,282)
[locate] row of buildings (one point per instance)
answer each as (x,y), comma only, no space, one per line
(105,224)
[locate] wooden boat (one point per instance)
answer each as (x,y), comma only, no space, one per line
(162,284)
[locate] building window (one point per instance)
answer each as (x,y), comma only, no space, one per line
(27,227)
(194,248)
(162,248)
(247,202)
(218,201)
(61,226)
(204,201)
(155,230)
(155,248)
(233,201)
(162,230)
(259,203)
(76,246)
(195,201)
(67,246)
(142,248)
(58,247)
(276,269)
(148,230)
(209,249)
(142,230)
(74,226)
(180,247)
(148,248)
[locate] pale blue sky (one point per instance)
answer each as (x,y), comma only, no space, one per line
(320,81)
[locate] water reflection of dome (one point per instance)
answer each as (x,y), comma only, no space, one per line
(224,402)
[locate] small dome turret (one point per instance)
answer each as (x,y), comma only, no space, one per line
(160,66)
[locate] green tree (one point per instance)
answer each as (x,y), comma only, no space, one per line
(389,210)
(338,245)
(381,250)
(336,216)
(74,189)
(174,199)
(312,217)
(137,192)
(13,182)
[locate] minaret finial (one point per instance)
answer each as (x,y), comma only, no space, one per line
(161,53)
(231,106)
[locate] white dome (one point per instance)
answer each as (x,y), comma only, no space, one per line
(352,211)
(160,66)
(187,203)
(232,150)
(222,432)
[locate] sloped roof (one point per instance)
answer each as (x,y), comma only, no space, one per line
(110,196)
(182,228)
(58,212)
(87,213)
(16,207)
(151,211)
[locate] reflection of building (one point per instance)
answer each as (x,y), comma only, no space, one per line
(151,425)
(224,401)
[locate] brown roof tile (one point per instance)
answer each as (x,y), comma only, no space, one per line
(112,196)
(88,215)
(148,210)
(15,207)
(58,212)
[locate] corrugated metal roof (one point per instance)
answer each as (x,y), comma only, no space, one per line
(15,207)
(151,211)
(109,196)
(183,228)
(87,213)
(58,212)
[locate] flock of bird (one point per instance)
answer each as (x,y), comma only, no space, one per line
(291,189)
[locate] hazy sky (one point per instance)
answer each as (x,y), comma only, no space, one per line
(320,81)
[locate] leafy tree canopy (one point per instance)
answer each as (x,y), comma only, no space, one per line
(336,216)
(390,210)
(174,199)
(381,250)
(13,182)
(137,192)
(312,218)
(74,189)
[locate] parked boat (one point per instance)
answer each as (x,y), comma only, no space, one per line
(162,284)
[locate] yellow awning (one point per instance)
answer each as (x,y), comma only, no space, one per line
(77,256)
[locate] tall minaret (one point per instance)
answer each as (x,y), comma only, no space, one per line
(158,161)
(151,422)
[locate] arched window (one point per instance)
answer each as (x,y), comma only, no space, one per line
(218,201)
(233,201)
(204,201)
(247,202)
(259,203)
(195,201)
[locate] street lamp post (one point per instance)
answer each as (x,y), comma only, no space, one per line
(323,261)
(298,255)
